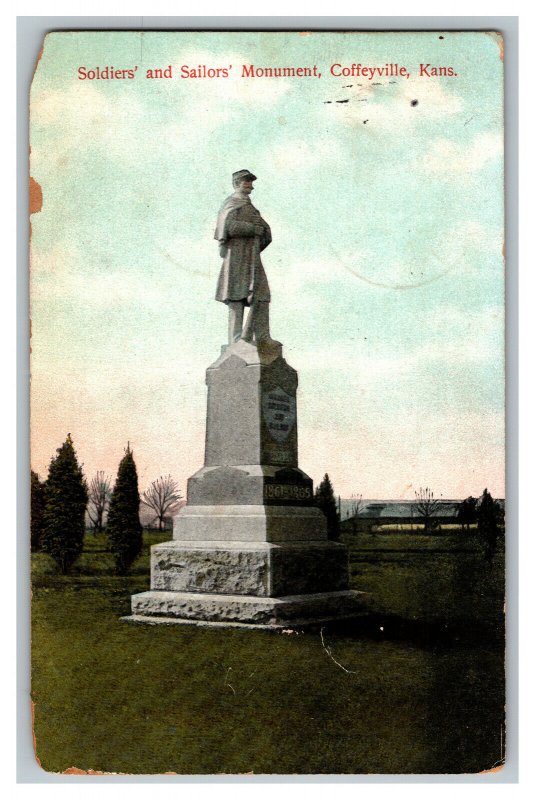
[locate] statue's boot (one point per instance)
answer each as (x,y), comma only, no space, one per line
(257,325)
(262,333)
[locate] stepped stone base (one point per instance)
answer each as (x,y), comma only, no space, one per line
(262,569)
(245,610)
(250,548)
(247,523)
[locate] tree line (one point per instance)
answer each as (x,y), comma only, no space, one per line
(484,512)
(59,505)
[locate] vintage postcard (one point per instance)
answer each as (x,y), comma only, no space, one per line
(267,403)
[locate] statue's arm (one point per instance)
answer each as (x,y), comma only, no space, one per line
(241,228)
(266,237)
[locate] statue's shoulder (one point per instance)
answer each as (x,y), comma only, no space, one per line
(231,203)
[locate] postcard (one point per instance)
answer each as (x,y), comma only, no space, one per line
(267,403)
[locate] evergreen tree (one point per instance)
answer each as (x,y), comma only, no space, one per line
(37,508)
(467,512)
(324,499)
(65,504)
(487,523)
(123,527)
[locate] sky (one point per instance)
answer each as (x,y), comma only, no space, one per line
(386,268)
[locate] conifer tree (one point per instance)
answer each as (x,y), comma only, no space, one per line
(124,528)
(324,498)
(65,504)
(37,508)
(487,523)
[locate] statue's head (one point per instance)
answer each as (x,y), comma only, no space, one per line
(243,180)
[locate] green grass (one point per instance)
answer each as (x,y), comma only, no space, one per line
(425,694)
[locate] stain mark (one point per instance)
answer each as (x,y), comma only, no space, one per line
(41,51)
(468,120)
(33,735)
(35,197)
(327,101)
(78,771)
(364,121)
(305,33)
(498,768)
(349,86)
(414,103)
(362,100)
(498,38)
(377,84)
(342,101)
(440,37)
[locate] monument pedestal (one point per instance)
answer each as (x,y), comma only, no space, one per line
(249,548)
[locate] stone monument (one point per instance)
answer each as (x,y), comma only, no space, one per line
(249,547)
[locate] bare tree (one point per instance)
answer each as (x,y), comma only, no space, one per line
(426,506)
(162,496)
(99,500)
(354,511)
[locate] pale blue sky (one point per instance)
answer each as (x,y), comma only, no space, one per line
(386,266)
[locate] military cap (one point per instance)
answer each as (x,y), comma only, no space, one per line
(242,175)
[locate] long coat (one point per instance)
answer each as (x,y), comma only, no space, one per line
(242,272)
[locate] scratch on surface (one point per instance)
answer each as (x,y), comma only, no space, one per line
(227,683)
(500,763)
(34,740)
(172,259)
(328,651)
(400,286)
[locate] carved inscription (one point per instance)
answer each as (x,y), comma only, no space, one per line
(279,411)
(280,491)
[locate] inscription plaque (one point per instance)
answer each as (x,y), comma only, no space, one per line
(279,411)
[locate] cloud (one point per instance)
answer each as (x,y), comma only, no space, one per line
(392,105)
(446,158)
(449,336)
(131,122)
(67,123)
(298,154)
(458,248)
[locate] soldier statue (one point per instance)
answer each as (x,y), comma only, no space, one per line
(242,235)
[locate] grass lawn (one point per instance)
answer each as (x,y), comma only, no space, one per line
(421,688)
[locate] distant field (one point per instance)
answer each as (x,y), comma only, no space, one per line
(421,689)
(417,526)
